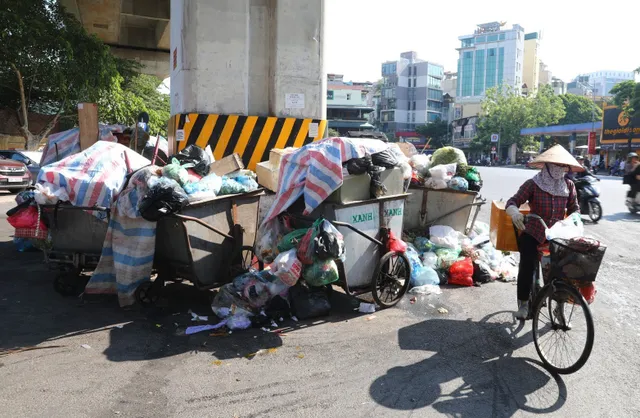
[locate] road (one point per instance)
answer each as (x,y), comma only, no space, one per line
(407,361)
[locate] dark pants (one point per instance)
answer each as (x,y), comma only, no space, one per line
(528,247)
(634,190)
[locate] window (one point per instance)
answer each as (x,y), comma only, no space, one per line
(467,42)
(434,94)
(408,105)
(500,65)
(467,74)
(501,37)
(408,117)
(481,39)
(490,76)
(329,94)
(492,38)
(414,105)
(479,74)
(348,96)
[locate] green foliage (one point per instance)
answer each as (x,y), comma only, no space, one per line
(627,97)
(48,62)
(438,131)
(122,105)
(506,112)
(333,133)
(579,109)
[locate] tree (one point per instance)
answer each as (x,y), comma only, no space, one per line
(627,97)
(48,63)
(126,98)
(333,133)
(579,109)
(506,112)
(438,131)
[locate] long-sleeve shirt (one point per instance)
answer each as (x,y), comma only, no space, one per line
(550,208)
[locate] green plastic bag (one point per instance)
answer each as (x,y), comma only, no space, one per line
(446,257)
(291,240)
(472,174)
(321,273)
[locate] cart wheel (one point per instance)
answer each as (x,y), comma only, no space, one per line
(243,261)
(391,279)
(69,284)
(146,294)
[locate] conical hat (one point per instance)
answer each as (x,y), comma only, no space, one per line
(557,155)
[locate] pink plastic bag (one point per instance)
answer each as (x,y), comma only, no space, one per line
(26,218)
(396,244)
(461,273)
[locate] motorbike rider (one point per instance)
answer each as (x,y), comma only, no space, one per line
(633,178)
(549,193)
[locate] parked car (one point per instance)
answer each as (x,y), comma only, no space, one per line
(29,158)
(14,175)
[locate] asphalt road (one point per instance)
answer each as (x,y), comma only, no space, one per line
(472,361)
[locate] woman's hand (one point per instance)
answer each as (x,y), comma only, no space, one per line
(516,217)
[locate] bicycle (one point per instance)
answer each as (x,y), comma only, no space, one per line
(556,300)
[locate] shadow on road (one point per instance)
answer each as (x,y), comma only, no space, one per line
(622,217)
(480,353)
(34,314)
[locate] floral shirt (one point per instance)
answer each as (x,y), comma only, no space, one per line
(550,208)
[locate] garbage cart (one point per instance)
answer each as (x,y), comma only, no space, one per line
(77,235)
(208,243)
(426,207)
(368,266)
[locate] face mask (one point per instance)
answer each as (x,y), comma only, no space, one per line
(555,171)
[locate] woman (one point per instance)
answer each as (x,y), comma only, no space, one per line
(549,193)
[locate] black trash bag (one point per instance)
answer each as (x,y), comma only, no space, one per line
(475,186)
(195,155)
(309,302)
(161,200)
(376,187)
(359,165)
(384,159)
(148,151)
(278,307)
(481,273)
(329,242)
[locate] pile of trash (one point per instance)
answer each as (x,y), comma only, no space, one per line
(446,256)
(294,284)
(447,168)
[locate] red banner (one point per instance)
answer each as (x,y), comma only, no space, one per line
(592,143)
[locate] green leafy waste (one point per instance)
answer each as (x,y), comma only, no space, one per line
(448,155)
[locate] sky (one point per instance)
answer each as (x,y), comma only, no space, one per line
(577,37)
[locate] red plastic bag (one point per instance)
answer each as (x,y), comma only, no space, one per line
(461,273)
(26,218)
(396,244)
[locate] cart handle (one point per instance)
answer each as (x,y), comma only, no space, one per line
(200,222)
(338,223)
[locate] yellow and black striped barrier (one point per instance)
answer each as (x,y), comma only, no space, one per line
(252,137)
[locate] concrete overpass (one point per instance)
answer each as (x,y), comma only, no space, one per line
(134,29)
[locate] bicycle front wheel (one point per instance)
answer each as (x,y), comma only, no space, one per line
(563,329)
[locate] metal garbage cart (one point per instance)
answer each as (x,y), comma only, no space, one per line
(208,243)
(426,207)
(77,236)
(368,266)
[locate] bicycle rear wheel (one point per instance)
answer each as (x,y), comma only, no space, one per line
(563,330)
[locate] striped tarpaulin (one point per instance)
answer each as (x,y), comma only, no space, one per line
(93,176)
(315,171)
(63,144)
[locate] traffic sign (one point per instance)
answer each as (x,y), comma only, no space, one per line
(495,137)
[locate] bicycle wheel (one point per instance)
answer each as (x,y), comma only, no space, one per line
(563,330)
(391,279)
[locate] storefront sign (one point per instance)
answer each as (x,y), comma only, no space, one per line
(617,127)
(592,143)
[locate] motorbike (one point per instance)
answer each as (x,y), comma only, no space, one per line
(589,196)
(633,204)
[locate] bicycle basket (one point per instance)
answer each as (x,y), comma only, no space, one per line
(576,259)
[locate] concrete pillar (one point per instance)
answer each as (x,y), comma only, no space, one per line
(248,57)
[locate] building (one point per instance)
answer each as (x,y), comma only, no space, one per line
(601,82)
(544,75)
(580,87)
(464,130)
(347,108)
(531,63)
(411,93)
(490,57)
(559,86)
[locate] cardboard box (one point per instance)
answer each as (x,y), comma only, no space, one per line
(502,233)
(267,176)
(275,155)
(227,165)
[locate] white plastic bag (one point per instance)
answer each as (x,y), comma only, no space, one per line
(45,196)
(407,171)
(571,227)
(443,172)
(430,259)
(444,236)
(287,267)
(436,184)
(420,163)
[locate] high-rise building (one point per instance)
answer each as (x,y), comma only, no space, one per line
(544,75)
(491,56)
(601,82)
(411,93)
(531,64)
